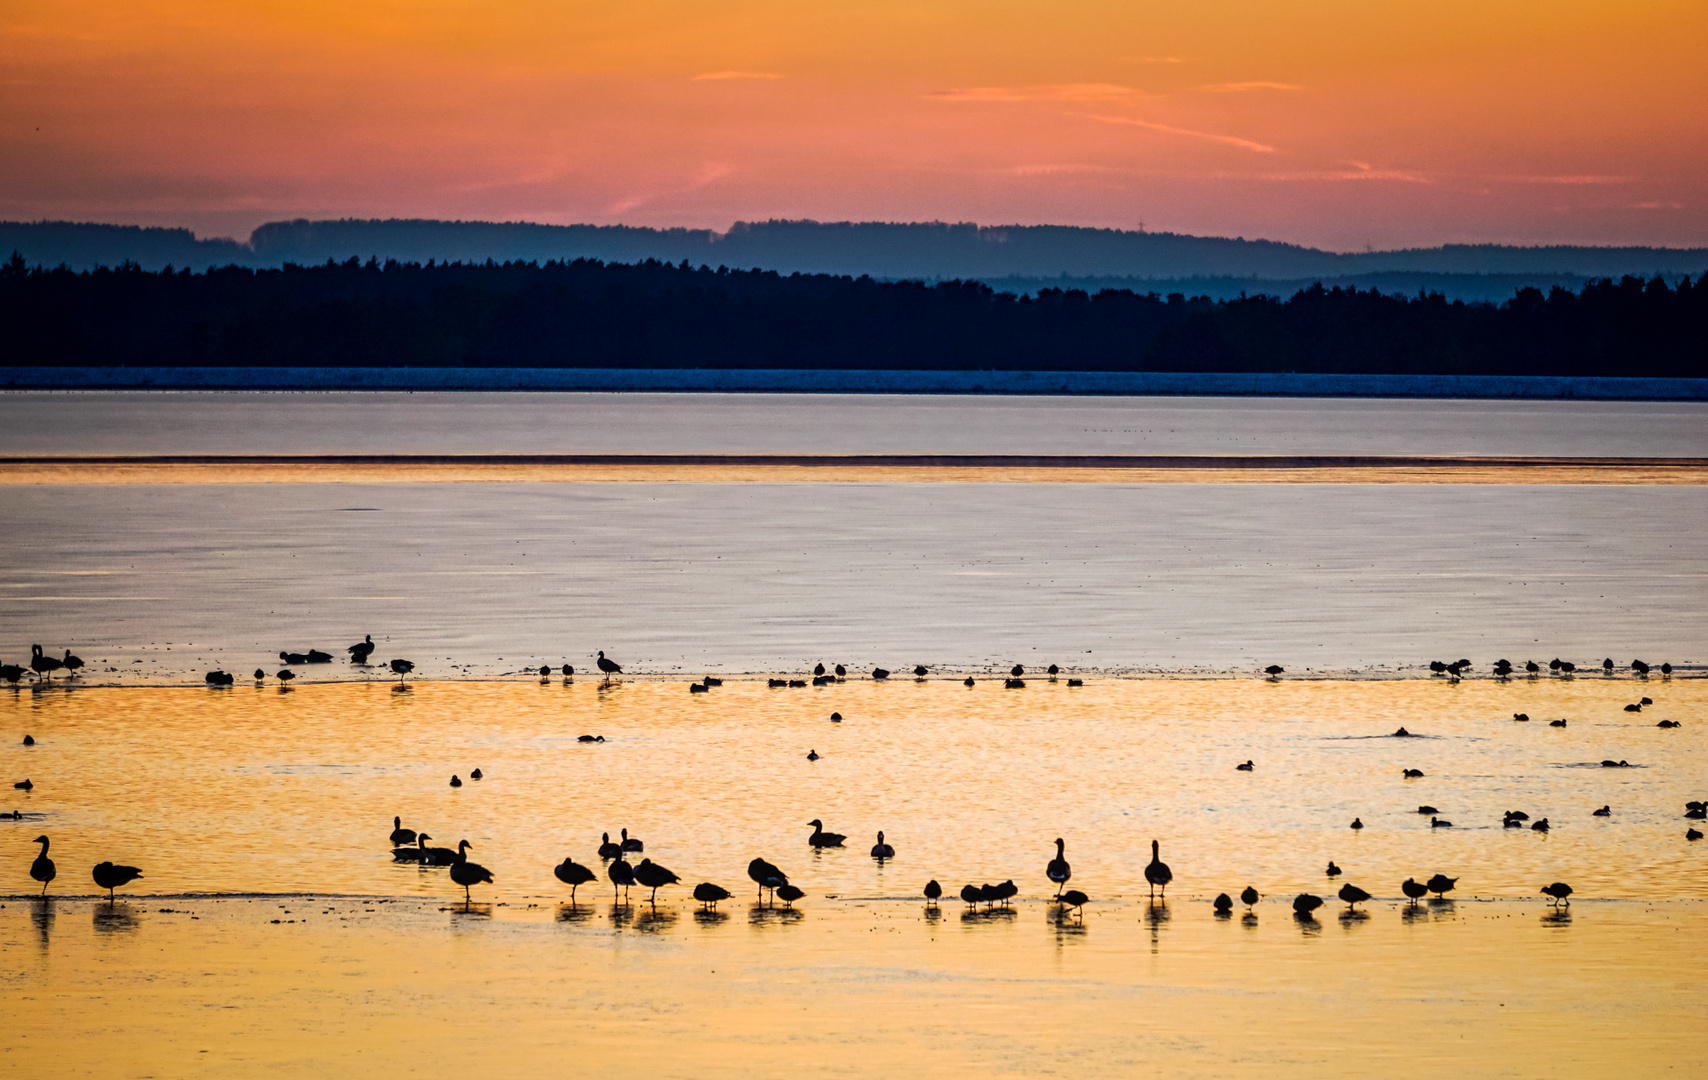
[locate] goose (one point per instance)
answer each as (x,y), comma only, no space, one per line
(42,869)
(286,676)
(1605,811)
(568,671)
(818,671)
(881,850)
(1531,667)
(1693,834)
(1441,884)
(465,873)
(621,874)
(456,781)
(1247,767)
(1539,826)
(608,666)
(968,681)
(1559,890)
(813,755)
(1224,904)
(1249,896)
(1414,892)
(1353,896)
(880,673)
(1058,870)
(1411,774)
(841,672)
(416,854)
(1333,870)
(109,877)
(399,834)
(1158,873)
(1016,671)
(260,675)
(1075,899)
(12,673)
(971,894)
(933,890)
(1305,903)
(360,651)
(632,843)
(607,849)
(24,785)
(652,876)
(920,671)
(708,894)
(1427,809)
(315,656)
(822,839)
(402,668)
(476,775)
(573,874)
(1557,723)
(1274,671)
(72,664)
(440,856)
(293,657)
(1357,823)
(43,665)
(1437,823)
(766,875)
(789,894)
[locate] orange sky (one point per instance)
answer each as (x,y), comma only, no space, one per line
(1339,123)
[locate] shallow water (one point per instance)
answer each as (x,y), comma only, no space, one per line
(376,968)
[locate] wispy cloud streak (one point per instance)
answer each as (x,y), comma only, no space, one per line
(723,76)
(1059,92)
(1230,140)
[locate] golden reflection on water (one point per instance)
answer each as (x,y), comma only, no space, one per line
(379,968)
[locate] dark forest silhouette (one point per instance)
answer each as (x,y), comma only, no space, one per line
(657,315)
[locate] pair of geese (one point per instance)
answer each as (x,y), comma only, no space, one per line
(108,875)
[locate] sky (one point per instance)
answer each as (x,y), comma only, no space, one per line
(1344,124)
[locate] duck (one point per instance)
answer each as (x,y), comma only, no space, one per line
(1247,767)
(1076,682)
(708,894)
(631,843)
(286,675)
(968,681)
(1633,708)
(110,876)
(1016,671)
(360,651)
(1411,774)
(709,681)
(881,850)
(933,891)
(1057,869)
(1333,870)
(29,740)
(1007,891)
(574,875)
(652,876)
(1414,891)
(1357,823)
(836,718)
(466,874)
(401,668)
(813,755)
(293,657)
(24,785)
(622,875)
(920,671)
(788,893)
(880,673)
(1353,896)
(1518,815)
(1249,896)
(1305,903)
(260,675)
(218,678)
(1667,724)
(1539,826)
(1510,822)
(818,671)
(439,856)
(315,656)
(11,673)
(1427,809)
(1441,884)
(608,849)
(841,672)
(1157,872)
(1609,763)
(1521,717)
(1559,890)
(42,869)
(476,775)
(696,688)
(1561,722)
(1014,684)
(1531,667)
(822,839)
(767,875)
(1402,733)
(1605,811)
(456,781)
(399,834)
(1052,671)
(1437,823)
(1223,903)
(1693,834)
(590,738)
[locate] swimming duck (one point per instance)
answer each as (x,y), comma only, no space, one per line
(631,843)
(881,850)
(399,834)
(822,839)
(813,755)
(1539,826)
(1247,767)
(1333,870)
(1605,811)
(1411,774)
(1357,823)
(1437,823)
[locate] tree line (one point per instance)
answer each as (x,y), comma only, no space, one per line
(587,313)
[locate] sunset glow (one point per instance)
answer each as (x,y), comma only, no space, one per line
(1324,122)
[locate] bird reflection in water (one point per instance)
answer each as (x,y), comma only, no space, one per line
(762,915)
(43,917)
(1249,920)
(574,913)
(114,919)
(1557,917)
(472,911)
(1308,924)
(709,917)
(974,916)
(1350,918)
(655,920)
(933,914)
(621,915)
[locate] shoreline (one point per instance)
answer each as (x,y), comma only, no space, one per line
(855,381)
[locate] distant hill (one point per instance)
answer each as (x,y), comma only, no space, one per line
(1010,258)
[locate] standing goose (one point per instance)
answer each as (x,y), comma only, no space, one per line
(607,849)
(573,874)
(402,668)
(71,663)
(1559,890)
(1353,896)
(1441,884)
(708,894)
(1057,869)
(1414,892)
(1224,904)
(401,836)
(1305,903)
(360,651)
(43,665)
(621,874)
(789,894)
(465,873)
(1158,873)
(42,869)
(881,850)
(822,839)
(1249,896)
(766,875)
(110,877)
(609,667)
(652,876)
(933,891)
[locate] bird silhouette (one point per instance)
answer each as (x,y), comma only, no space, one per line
(573,874)
(880,673)
(971,894)
(1357,823)
(24,785)
(476,775)
(416,854)
(1539,826)
(402,668)
(1016,671)
(631,843)
(841,672)
(621,874)
(708,894)
(12,673)
(71,664)
(1249,896)
(920,671)
(813,755)
(608,848)
(1224,904)
(42,869)
(933,890)
(465,873)
(881,850)
(652,876)
(293,657)
(1247,767)
(1057,869)
(1605,811)
(788,893)
(1441,884)
(1559,890)
(1353,895)
(399,834)
(818,671)
(360,651)
(608,666)
(1411,774)
(43,666)
(1305,903)
(1158,873)
(1333,870)
(1414,892)
(1075,899)
(767,875)
(456,781)
(110,876)
(1274,671)
(1437,823)
(822,839)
